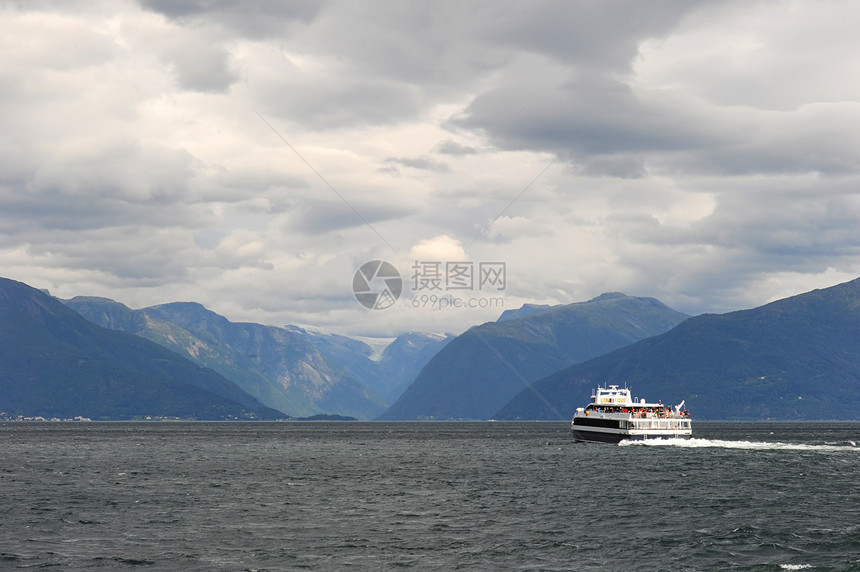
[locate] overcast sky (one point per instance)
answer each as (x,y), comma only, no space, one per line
(251,156)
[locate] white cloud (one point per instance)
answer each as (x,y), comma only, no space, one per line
(440,248)
(759,55)
(702,153)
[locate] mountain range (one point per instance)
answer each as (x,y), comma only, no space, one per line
(796,358)
(482,369)
(56,364)
(299,371)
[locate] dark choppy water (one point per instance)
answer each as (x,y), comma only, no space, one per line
(371,496)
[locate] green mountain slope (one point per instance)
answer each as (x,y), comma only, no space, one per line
(278,366)
(482,369)
(797,358)
(301,371)
(55,363)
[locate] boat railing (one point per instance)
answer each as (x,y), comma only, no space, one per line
(658,423)
(664,414)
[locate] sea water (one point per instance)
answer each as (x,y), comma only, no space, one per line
(428,496)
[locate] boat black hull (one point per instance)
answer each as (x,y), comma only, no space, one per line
(582,436)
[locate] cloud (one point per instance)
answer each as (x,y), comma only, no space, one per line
(598,36)
(451,147)
(439,248)
(703,153)
(766,57)
(329,216)
(250,19)
(421,163)
(200,60)
(324,94)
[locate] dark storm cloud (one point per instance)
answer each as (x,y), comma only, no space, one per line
(607,128)
(251,18)
(589,114)
(597,35)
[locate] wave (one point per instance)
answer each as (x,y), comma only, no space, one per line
(695,443)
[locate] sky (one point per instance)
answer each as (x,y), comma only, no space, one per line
(254,156)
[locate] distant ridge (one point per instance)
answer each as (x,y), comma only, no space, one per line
(302,371)
(482,369)
(796,358)
(523,311)
(55,363)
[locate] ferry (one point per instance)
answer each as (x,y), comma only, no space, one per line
(613,416)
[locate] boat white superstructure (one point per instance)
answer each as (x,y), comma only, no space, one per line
(613,415)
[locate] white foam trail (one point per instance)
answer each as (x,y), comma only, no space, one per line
(748,445)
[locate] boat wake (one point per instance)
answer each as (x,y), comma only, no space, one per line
(748,445)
